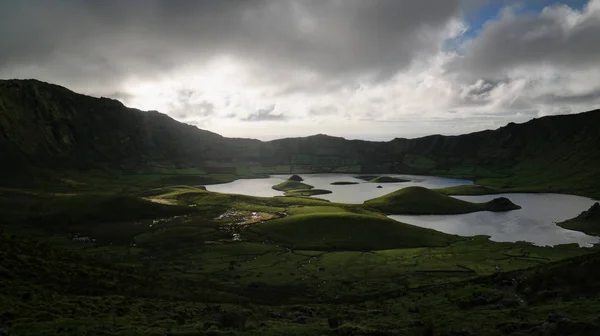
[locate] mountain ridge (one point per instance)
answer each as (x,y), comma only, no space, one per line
(46,127)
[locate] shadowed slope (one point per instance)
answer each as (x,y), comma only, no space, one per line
(47,129)
(587,222)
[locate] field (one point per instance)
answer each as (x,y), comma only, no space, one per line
(188,261)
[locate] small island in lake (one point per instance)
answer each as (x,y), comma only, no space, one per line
(343,183)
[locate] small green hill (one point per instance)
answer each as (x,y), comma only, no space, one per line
(349,231)
(84,209)
(469,190)
(587,222)
(388,179)
(307,192)
(291,185)
(296,178)
(423,201)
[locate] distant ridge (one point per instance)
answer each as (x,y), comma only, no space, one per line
(45,127)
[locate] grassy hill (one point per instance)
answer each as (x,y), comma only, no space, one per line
(423,201)
(292,185)
(349,231)
(587,222)
(205,263)
(469,190)
(307,192)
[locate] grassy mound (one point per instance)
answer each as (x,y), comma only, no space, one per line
(296,178)
(349,231)
(423,201)
(82,209)
(291,185)
(307,192)
(587,222)
(500,204)
(387,179)
(343,183)
(469,190)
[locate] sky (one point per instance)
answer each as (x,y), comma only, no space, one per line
(361,69)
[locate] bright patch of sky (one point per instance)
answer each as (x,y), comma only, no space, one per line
(476,18)
(267,69)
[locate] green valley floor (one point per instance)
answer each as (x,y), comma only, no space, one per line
(181,260)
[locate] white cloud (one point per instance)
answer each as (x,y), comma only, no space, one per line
(345,68)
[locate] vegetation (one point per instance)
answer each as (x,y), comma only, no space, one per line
(298,266)
(296,178)
(469,190)
(350,232)
(104,239)
(587,222)
(292,185)
(350,287)
(422,201)
(549,154)
(306,192)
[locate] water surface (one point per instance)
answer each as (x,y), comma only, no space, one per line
(535,222)
(351,194)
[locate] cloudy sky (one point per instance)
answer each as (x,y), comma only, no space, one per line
(370,69)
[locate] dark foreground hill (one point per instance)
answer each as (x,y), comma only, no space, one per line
(51,292)
(44,127)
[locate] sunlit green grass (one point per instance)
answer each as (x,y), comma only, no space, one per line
(306,192)
(422,201)
(291,185)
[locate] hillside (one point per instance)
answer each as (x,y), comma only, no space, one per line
(191,278)
(45,128)
(587,222)
(350,232)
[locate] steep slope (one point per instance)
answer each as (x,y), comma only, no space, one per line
(48,126)
(587,222)
(44,127)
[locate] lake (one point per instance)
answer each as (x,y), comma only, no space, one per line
(350,194)
(535,222)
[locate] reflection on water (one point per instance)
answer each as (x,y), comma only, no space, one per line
(535,222)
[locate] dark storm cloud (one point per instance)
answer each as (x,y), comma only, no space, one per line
(265,114)
(558,36)
(480,92)
(105,41)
